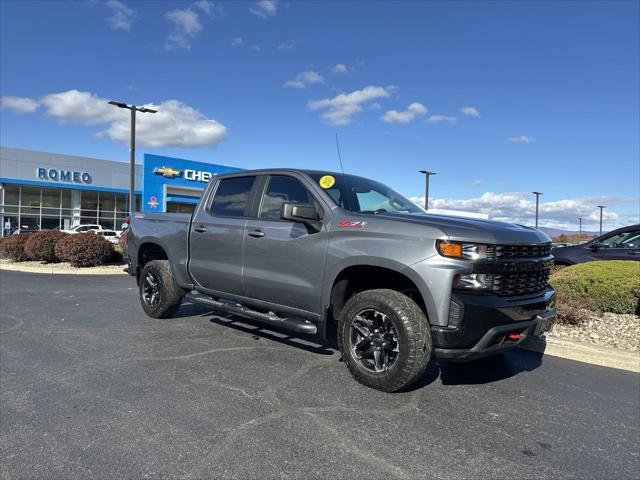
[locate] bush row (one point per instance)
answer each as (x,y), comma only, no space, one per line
(605,286)
(50,246)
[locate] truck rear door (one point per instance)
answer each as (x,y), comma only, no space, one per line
(217,235)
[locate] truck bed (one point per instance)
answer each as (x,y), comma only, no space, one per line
(170,231)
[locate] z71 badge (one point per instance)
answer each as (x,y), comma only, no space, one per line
(349,224)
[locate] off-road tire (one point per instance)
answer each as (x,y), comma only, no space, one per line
(414,336)
(170,296)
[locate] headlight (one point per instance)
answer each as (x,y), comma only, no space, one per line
(477,281)
(468,251)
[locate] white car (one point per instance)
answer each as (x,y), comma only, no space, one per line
(83,228)
(111,235)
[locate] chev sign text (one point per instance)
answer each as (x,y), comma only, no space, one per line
(197,176)
(63,175)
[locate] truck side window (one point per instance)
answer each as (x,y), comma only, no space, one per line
(279,190)
(232,196)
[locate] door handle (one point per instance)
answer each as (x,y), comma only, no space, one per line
(200,229)
(256,234)
(634,253)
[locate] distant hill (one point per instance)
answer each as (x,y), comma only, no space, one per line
(554,232)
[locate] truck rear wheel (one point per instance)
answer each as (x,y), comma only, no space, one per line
(384,339)
(159,296)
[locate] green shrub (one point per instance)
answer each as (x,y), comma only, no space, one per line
(41,245)
(605,286)
(13,247)
(84,250)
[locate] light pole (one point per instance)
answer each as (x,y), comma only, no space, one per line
(537,194)
(426,174)
(601,207)
(580,230)
(132,149)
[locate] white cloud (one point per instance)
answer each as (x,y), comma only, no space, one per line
(470,111)
(414,110)
(121,16)
(340,69)
(478,183)
(441,118)
(340,109)
(521,139)
(520,207)
(19,104)
(304,79)
(207,7)
(237,42)
(186,23)
(265,8)
(288,45)
(255,47)
(175,125)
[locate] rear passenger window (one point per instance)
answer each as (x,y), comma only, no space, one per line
(232,196)
(279,190)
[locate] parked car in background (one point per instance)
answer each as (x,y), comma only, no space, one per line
(620,244)
(26,229)
(83,228)
(111,235)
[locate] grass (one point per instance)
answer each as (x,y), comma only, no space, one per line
(609,286)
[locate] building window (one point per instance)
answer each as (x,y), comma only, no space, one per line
(51,199)
(11,198)
(107,210)
(88,207)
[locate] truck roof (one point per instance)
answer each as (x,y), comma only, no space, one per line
(266,171)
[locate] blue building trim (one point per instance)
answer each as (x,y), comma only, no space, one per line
(71,186)
(186,178)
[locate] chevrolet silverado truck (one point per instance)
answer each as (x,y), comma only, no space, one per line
(352,262)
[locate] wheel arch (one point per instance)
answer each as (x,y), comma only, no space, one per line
(360,276)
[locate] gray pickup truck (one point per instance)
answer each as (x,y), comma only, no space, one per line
(351,261)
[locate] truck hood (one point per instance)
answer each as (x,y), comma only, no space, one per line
(475,230)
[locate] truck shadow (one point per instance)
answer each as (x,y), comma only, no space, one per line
(308,343)
(486,370)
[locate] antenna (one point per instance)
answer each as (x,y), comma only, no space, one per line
(339,156)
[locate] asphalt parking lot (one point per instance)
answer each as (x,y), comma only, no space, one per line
(92,388)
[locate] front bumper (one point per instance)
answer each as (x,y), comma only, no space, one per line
(488,320)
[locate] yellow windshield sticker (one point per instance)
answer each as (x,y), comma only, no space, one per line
(327,181)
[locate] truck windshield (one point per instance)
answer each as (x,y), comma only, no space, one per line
(361,195)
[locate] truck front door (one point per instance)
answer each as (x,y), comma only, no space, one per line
(217,236)
(283,260)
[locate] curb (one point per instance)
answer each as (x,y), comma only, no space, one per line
(583,352)
(56,271)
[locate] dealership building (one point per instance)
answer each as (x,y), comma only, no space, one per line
(50,190)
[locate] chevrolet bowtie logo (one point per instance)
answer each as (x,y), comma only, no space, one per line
(167,172)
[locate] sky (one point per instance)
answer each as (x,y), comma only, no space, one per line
(499,98)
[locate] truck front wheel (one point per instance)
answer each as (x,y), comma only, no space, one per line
(159,296)
(384,339)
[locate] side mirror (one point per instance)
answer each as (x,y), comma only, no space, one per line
(595,246)
(301,212)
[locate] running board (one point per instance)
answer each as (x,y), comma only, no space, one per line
(294,324)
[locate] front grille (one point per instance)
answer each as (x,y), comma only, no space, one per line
(498,252)
(521,283)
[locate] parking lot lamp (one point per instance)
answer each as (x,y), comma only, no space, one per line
(537,194)
(132,149)
(601,207)
(580,230)
(426,174)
